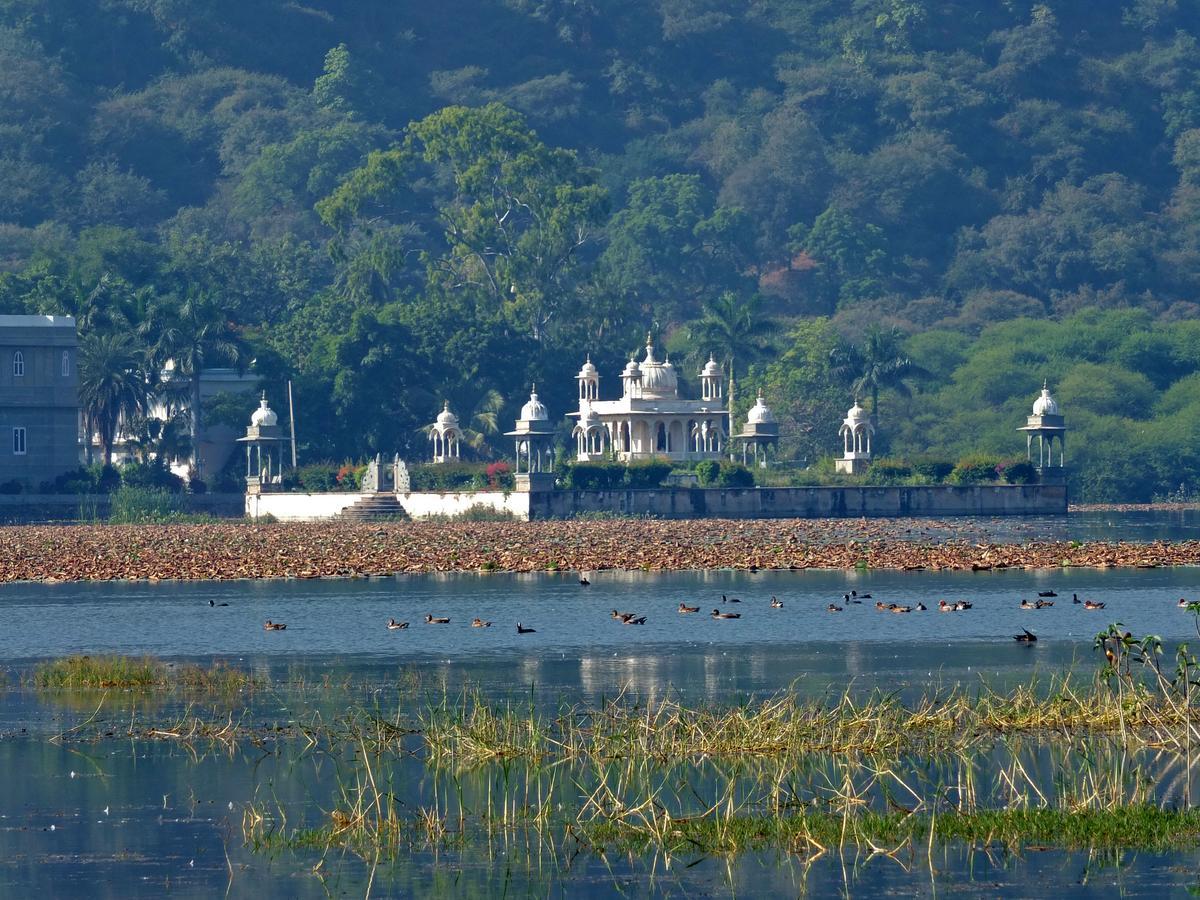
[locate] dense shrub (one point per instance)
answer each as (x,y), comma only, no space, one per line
(888,471)
(708,471)
(594,476)
(94,479)
(931,467)
(1019,472)
(152,476)
(976,468)
(316,478)
(650,474)
(448,476)
(500,476)
(735,475)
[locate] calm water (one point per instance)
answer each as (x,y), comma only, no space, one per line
(131,819)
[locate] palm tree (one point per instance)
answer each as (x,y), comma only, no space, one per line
(112,385)
(877,363)
(481,425)
(733,329)
(194,336)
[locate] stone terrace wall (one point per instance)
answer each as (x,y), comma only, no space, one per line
(807,502)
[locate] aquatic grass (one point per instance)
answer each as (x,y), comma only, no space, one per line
(127,673)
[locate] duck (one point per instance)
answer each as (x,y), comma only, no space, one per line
(521,629)
(921,607)
(943,606)
(776,603)
(393,624)
(1047,594)
(1025,604)
(1075,598)
(1042,604)
(634,620)
(900,609)
(431,619)
(879,606)
(717,614)
(583,579)
(1182,604)
(846,598)
(479,623)
(833,607)
(273,626)
(684,608)
(1092,604)
(622,615)
(961,605)
(857,594)
(725,599)
(1027,637)
(212,602)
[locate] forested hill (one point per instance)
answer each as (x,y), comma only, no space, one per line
(394,203)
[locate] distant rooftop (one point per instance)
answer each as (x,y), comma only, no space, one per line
(37,321)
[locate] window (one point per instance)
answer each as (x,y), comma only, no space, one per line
(19,441)
(18,364)
(66,364)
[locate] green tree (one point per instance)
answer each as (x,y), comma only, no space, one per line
(112,385)
(877,363)
(735,330)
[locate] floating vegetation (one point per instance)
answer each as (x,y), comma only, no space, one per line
(103,672)
(344,549)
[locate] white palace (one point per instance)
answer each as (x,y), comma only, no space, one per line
(650,419)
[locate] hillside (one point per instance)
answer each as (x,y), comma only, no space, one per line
(392,203)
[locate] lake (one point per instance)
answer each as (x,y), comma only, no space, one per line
(128,817)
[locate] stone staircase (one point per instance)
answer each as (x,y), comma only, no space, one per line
(375,508)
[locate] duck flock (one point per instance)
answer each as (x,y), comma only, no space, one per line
(1045,600)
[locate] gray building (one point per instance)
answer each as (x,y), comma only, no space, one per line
(39,398)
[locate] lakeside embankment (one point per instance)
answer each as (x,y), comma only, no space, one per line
(223,551)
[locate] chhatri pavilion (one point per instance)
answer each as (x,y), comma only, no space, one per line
(650,420)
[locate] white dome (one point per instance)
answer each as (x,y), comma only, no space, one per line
(857,414)
(264,415)
(711,369)
(1045,405)
(632,370)
(588,371)
(534,410)
(759,413)
(447,418)
(658,379)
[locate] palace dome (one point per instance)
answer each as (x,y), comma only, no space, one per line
(264,416)
(711,369)
(857,414)
(1045,405)
(760,414)
(446,418)
(589,371)
(659,380)
(534,410)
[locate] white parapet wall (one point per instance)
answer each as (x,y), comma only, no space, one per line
(426,504)
(293,507)
(288,507)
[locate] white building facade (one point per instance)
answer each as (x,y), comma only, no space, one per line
(650,420)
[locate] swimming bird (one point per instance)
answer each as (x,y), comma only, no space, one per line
(1047,594)
(846,598)
(212,602)
(1025,604)
(943,606)
(717,614)
(622,615)
(430,619)
(1075,598)
(273,626)
(833,607)
(479,623)
(583,579)
(725,599)
(920,607)
(1027,638)
(961,605)
(1042,604)
(879,606)
(634,620)
(863,596)
(1182,604)
(900,609)
(1092,604)
(776,603)
(393,624)
(521,629)
(684,608)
